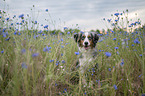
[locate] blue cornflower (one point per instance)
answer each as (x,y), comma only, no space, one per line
(65,89)
(63,61)
(140,55)
(61,54)
(116,48)
(65,28)
(61,39)
(15,33)
(22,21)
(96,80)
(7,19)
(21,16)
(14,16)
(68,32)
(0,16)
(115,87)
(109,69)
(4,29)
(4,35)
(132,45)
(19,33)
(93,70)
(77,53)
(40,32)
(109,20)
(122,63)
(132,24)
(100,40)
(43,34)
(7,39)
(46,10)
(116,14)
(62,46)
(134,50)
(114,39)
(117,52)
(2,51)
(136,41)
(51,60)
(81,32)
(108,54)
(66,43)
(46,49)
(116,20)
(55,84)
(138,22)
(35,54)
(23,65)
(35,22)
(17,23)
(23,50)
(57,62)
(140,75)
(113,24)
(46,26)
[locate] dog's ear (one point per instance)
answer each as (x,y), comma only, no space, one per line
(76,36)
(95,37)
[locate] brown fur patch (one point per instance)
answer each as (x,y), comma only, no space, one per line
(90,37)
(91,43)
(80,41)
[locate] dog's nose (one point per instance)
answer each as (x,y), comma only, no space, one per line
(86,43)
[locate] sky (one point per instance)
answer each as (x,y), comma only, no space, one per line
(88,14)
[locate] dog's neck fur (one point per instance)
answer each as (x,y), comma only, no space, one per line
(88,53)
(87,58)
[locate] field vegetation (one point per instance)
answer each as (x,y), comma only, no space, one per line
(37,62)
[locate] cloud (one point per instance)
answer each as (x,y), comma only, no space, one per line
(85,24)
(87,14)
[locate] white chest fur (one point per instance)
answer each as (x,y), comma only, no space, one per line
(86,60)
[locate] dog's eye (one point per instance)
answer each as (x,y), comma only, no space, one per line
(89,38)
(83,37)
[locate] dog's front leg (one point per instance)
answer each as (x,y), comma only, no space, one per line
(82,74)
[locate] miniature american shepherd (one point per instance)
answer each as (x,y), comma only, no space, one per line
(86,42)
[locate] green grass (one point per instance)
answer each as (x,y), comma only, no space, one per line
(23,74)
(27,69)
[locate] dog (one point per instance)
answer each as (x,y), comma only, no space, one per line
(86,42)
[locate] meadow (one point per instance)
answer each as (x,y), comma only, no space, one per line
(43,63)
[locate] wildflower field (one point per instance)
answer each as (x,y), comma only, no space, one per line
(43,62)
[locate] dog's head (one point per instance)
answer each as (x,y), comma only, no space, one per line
(86,40)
